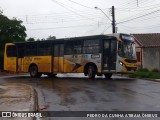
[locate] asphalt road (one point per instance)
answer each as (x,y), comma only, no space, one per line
(66,93)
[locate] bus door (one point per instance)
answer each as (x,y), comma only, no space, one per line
(10,58)
(109,54)
(20,56)
(58,53)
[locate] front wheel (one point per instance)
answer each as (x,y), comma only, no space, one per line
(33,70)
(91,72)
(108,75)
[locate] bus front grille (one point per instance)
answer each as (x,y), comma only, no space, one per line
(131,68)
(130,61)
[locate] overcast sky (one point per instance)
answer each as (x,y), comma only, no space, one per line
(73,18)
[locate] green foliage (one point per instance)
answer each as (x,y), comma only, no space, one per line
(155,70)
(143,70)
(30,39)
(11,30)
(1,62)
(145,74)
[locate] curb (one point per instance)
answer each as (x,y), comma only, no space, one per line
(33,100)
(156,80)
(41,104)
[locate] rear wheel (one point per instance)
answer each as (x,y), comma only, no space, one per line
(91,72)
(33,70)
(108,75)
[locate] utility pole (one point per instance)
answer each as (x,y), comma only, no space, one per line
(113,20)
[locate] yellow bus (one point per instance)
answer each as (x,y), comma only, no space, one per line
(91,55)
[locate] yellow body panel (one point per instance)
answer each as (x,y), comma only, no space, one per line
(58,65)
(71,67)
(20,65)
(68,66)
(43,63)
(9,62)
(131,65)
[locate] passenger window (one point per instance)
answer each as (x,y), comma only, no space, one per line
(11,51)
(113,46)
(44,49)
(73,47)
(91,46)
(31,49)
(69,48)
(20,51)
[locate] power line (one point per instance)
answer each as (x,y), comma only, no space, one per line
(128,3)
(60,21)
(80,4)
(142,28)
(153,12)
(106,29)
(103,13)
(148,27)
(70,9)
(146,19)
(65,7)
(138,9)
(58,13)
(62,27)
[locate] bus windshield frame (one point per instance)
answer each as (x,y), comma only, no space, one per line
(126,47)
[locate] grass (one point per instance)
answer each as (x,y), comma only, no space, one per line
(145,73)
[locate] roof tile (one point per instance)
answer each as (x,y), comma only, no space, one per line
(148,39)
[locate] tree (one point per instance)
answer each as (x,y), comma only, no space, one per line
(51,37)
(30,39)
(11,30)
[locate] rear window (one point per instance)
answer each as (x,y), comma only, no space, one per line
(11,51)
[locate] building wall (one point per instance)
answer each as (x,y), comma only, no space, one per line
(138,51)
(151,58)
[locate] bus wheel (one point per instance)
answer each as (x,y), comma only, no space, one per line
(91,72)
(108,75)
(33,70)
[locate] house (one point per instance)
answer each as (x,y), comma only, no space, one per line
(148,50)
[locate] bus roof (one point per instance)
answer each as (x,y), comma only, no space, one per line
(74,38)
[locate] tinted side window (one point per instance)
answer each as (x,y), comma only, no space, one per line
(56,50)
(73,47)
(31,49)
(69,48)
(113,46)
(44,49)
(20,51)
(11,51)
(61,52)
(91,46)
(77,48)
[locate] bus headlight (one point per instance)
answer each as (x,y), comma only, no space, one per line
(121,63)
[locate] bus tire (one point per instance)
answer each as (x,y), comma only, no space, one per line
(91,72)
(108,75)
(33,70)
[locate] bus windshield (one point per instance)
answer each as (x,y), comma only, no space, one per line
(127,49)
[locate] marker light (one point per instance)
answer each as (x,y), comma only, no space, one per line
(121,63)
